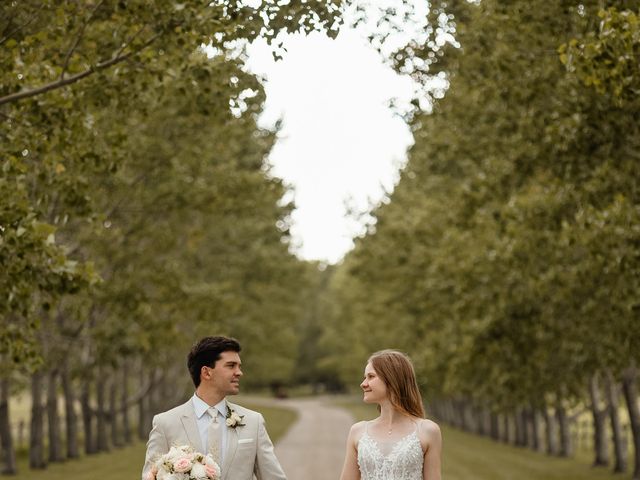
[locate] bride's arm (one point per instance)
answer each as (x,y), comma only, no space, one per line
(350,470)
(431,469)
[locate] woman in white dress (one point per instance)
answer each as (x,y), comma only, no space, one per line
(400,444)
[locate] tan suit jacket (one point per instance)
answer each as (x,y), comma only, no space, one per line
(249,448)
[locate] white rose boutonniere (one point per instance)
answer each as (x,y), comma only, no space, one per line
(233,419)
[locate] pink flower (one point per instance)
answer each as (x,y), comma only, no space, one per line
(151,474)
(182,465)
(213,471)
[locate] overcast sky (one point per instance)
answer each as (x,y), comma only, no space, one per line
(340,144)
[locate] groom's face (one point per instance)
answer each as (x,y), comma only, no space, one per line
(225,376)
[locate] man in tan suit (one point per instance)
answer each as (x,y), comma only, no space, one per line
(234,435)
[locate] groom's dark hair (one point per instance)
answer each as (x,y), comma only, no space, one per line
(206,352)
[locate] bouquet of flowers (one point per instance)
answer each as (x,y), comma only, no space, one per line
(184,463)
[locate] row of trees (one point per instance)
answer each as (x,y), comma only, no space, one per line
(135,210)
(136,215)
(507,260)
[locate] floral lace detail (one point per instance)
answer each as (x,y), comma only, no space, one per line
(404,461)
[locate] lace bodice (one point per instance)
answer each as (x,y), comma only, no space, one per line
(403,461)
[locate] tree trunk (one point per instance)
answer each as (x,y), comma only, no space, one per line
(484,421)
(565,436)
(87,417)
(126,422)
(521,428)
(528,427)
(619,448)
(101,413)
(142,414)
(536,439)
(113,413)
(149,404)
(506,427)
(55,439)
(487,421)
(6,439)
(165,392)
(630,389)
(550,430)
(451,412)
(444,411)
(143,434)
(36,432)
(464,415)
(455,414)
(600,443)
(494,426)
(518,425)
(524,421)
(70,416)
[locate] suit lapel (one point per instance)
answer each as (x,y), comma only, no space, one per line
(188,419)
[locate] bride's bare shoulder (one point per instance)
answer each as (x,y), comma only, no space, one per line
(429,431)
(428,425)
(357,429)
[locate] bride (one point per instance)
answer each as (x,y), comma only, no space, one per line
(400,444)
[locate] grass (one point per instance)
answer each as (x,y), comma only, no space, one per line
(277,419)
(126,463)
(467,456)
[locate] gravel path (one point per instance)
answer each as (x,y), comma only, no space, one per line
(314,447)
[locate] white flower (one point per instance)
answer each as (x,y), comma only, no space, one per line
(178,476)
(233,419)
(198,471)
(174,454)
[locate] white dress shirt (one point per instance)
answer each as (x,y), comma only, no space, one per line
(203,419)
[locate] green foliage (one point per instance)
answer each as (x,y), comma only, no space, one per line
(507,258)
(133,201)
(608,59)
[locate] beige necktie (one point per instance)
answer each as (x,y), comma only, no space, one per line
(213,435)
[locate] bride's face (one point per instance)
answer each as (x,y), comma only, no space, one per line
(375,390)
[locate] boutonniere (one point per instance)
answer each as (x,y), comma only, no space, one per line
(233,419)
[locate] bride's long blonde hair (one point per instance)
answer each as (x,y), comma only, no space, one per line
(396,371)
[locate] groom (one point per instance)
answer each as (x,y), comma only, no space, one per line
(235,435)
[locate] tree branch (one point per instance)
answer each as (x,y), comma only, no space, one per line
(63,82)
(576,415)
(78,38)
(20,27)
(133,399)
(128,42)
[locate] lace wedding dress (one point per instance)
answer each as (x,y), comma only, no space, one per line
(399,460)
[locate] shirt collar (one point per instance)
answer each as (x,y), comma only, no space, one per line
(201,407)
